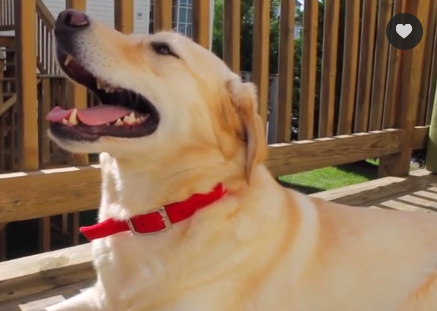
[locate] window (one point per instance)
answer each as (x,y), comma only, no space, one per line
(185,18)
(182,16)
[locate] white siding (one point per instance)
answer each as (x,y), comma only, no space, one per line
(104,11)
(55,6)
(142,16)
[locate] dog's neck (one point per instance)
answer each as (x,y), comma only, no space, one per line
(132,188)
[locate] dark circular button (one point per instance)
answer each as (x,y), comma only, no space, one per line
(404,31)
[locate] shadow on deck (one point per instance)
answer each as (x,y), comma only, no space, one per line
(33,282)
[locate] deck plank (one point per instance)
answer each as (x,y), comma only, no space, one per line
(20,289)
(41,300)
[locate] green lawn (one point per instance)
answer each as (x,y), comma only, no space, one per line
(332,177)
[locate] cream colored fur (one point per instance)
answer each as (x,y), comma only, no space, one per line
(261,247)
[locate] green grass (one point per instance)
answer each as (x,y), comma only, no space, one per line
(331,177)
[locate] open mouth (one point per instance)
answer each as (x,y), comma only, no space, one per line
(121,113)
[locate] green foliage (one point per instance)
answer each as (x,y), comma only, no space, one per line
(217,30)
(247,48)
(246,41)
(298,62)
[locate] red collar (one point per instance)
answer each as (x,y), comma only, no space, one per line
(156,221)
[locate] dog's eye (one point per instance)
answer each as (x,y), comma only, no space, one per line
(162,48)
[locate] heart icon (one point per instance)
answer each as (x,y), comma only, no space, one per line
(404,30)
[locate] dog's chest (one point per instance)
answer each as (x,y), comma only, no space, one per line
(136,276)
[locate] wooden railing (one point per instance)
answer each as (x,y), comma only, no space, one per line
(45,65)
(7,15)
(52,91)
(365,100)
(45,23)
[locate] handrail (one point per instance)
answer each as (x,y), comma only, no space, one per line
(43,11)
(45,23)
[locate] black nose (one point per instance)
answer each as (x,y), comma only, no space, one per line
(72,19)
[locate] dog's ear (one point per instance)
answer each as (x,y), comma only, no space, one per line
(244,99)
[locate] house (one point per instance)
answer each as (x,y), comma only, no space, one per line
(143,13)
(104,11)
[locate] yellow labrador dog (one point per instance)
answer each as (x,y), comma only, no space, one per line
(190,219)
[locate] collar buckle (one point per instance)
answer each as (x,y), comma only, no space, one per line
(165,219)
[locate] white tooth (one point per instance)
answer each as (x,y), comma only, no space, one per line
(64,121)
(119,122)
(73,117)
(132,116)
(68,60)
(129,120)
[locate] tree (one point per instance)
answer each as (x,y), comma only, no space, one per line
(246,49)
(247,33)
(298,68)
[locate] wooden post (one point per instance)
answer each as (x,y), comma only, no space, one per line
(309,62)
(231,34)
(76,4)
(124,16)
(431,151)
(78,93)
(350,66)
(27,99)
(261,50)
(201,24)
(285,72)
(398,164)
(26,82)
(78,99)
(365,65)
(329,68)
(162,17)
(392,92)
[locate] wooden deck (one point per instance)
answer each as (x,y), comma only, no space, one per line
(38,301)
(367,115)
(34,282)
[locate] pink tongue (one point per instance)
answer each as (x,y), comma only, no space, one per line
(97,115)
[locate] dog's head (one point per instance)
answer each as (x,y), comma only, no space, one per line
(163,98)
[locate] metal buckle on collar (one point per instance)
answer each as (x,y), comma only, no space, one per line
(164,216)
